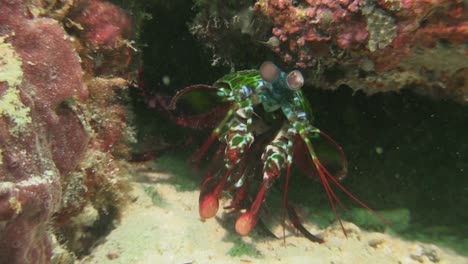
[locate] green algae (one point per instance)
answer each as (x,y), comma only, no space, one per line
(154,195)
(10,64)
(241,248)
(11,105)
(398,219)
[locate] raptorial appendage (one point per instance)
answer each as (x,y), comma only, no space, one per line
(276,157)
(236,137)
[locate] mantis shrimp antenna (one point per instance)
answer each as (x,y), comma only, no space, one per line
(325,175)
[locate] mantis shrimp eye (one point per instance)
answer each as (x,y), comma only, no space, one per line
(269,71)
(295,80)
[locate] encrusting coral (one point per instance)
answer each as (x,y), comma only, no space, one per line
(373,46)
(56,151)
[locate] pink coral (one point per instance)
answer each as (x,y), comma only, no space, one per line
(384,34)
(44,128)
(32,164)
(105,25)
(351,35)
(319,22)
(348,24)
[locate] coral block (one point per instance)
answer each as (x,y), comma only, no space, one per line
(384,38)
(374,46)
(44,144)
(51,129)
(105,25)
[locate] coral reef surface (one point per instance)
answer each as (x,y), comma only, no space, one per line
(368,45)
(60,122)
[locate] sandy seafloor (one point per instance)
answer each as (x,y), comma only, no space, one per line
(167,229)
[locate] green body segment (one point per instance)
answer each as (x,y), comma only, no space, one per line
(236,131)
(235,80)
(245,90)
(242,85)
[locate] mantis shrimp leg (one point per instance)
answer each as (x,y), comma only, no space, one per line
(276,157)
(236,134)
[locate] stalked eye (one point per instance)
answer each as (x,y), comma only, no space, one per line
(295,80)
(269,71)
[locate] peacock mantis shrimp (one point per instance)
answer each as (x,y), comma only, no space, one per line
(250,101)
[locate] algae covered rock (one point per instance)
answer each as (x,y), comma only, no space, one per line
(374,46)
(49,131)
